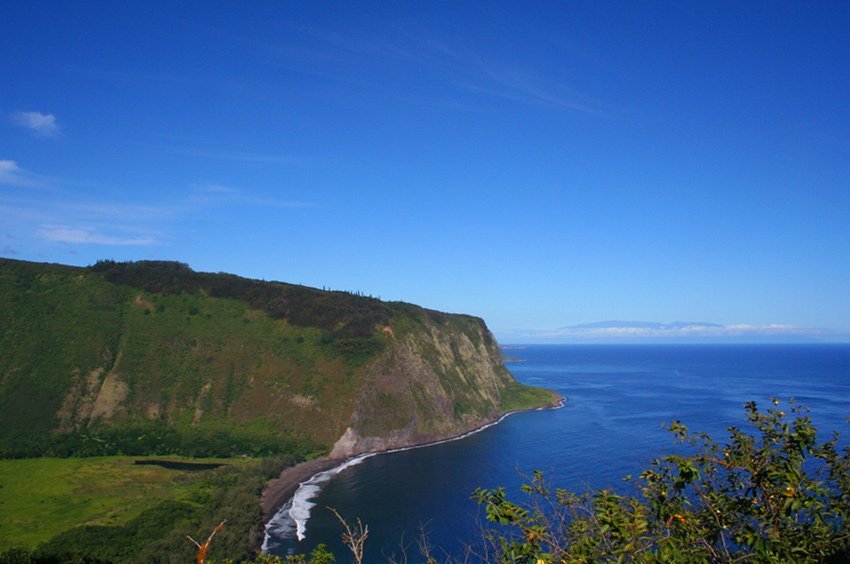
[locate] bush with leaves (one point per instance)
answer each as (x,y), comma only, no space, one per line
(776,495)
(320,555)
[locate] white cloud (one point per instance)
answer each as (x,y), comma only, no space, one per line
(41,124)
(10,172)
(70,234)
(56,214)
(13,175)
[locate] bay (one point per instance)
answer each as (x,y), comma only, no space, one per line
(618,398)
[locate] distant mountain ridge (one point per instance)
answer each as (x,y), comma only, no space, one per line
(642,325)
(654,332)
(152,357)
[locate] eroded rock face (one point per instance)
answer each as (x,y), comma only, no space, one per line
(93,397)
(428,385)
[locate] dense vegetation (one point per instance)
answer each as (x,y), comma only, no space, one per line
(776,495)
(141,438)
(517,397)
(158,533)
(151,357)
(42,497)
(342,314)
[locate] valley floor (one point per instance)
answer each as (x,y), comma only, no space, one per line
(42,497)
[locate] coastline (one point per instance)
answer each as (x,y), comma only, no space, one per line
(281,490)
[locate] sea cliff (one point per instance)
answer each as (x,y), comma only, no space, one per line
(436,382)
(152,358)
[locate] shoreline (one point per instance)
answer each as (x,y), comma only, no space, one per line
(279,491)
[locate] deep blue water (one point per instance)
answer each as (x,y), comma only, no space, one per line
(618,397)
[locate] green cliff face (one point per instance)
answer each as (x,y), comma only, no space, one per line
(152,357)
(437,378)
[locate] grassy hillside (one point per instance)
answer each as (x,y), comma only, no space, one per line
(83,355)
(109,509)
(64,492)
(154,358)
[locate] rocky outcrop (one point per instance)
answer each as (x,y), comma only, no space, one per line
(436,382)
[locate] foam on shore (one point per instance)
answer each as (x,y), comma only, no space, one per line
(290,521)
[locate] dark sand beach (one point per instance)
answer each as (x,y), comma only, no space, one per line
(281,489)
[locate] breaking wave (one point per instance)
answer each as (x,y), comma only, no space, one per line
(291,519)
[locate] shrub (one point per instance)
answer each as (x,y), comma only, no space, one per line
(776,495)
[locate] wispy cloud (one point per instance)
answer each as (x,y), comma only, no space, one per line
(243,156)
(61,215)
(218,189)
(86,235)
(220,194)
(13,175)
(523,87)
(38,123)
(389,46)
(62,222)
(453,63)
(497,78)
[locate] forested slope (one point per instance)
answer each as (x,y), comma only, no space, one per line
(154,358)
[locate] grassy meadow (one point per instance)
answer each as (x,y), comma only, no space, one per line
(517,397)
(42,497)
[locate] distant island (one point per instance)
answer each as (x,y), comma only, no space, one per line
(653,332)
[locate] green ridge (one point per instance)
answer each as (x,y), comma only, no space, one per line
(123,360)
(153,358)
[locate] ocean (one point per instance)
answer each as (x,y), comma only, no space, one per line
(618,399)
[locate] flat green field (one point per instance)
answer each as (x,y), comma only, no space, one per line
(41,497)
(517,397)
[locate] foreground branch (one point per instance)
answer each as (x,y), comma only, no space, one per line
(204,548)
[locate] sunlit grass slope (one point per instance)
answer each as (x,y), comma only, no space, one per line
(41,497)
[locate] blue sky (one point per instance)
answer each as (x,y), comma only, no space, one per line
(542,165)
